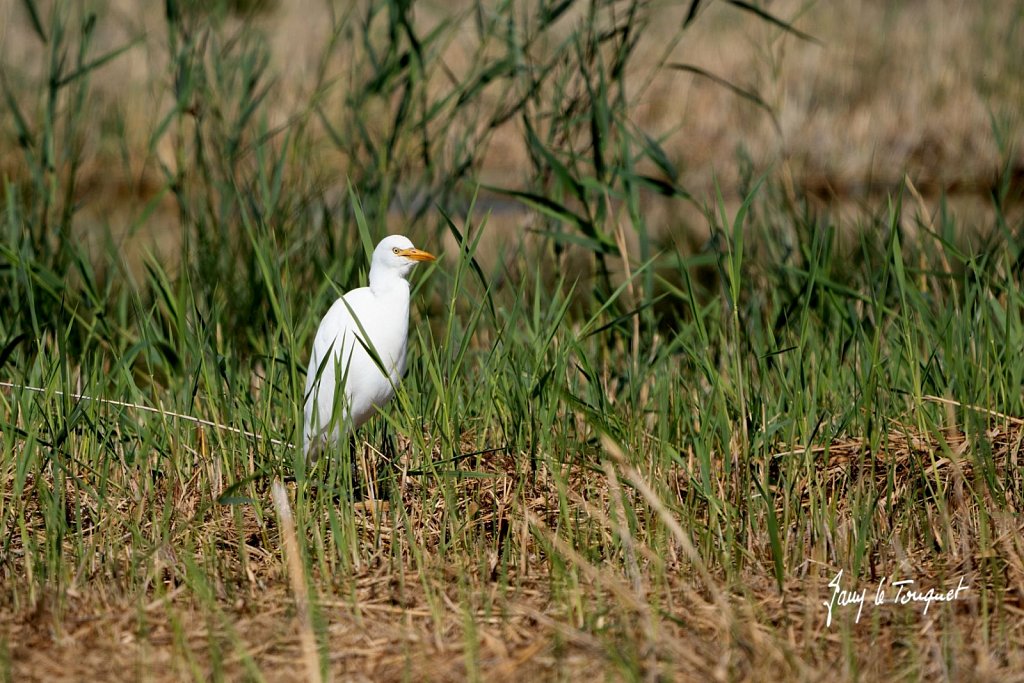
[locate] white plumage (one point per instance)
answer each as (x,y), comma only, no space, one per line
(339,361)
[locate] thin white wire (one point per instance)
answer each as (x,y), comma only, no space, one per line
(149,409)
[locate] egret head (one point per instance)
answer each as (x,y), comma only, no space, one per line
(395,256)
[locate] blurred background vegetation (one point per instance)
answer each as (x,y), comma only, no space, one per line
(585,128)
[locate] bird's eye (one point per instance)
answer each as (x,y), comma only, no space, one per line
(395,250)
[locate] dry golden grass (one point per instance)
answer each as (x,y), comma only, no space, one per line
(396,619)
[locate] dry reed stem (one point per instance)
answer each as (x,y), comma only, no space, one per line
(297,574)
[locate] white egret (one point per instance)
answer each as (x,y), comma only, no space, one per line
(374,318)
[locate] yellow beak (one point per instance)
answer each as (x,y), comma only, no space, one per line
(414,254)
